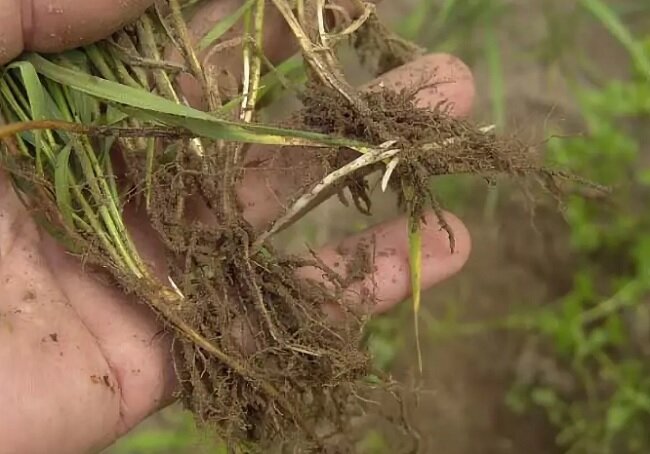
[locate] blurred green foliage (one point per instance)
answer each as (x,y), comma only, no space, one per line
(598,333)
(172,431)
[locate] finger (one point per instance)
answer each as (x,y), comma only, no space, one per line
(11,32)
(388,247)
(449,80)
(273,177)
(53,26)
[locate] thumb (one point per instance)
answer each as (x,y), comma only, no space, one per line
(53,26)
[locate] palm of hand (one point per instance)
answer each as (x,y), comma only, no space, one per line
(81,362)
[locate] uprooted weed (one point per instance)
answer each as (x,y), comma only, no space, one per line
(253,304)
(255,354)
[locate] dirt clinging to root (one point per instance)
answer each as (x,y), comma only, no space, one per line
(293,363)
(432,143)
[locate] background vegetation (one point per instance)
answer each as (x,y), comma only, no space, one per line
(543,343)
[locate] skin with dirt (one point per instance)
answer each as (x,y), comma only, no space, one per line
(257,357)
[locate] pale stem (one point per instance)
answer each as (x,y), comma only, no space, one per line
(367,159)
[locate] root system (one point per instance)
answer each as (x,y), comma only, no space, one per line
(256,357)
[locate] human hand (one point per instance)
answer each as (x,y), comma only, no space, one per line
(80,363)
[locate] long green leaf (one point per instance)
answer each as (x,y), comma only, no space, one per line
(11,116)
(35,94)
(33,87)
(223,26)
(62,184)
(168,112)
(84,107)
(415,262)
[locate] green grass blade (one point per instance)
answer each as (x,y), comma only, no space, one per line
(114,116)
(10,116)
(62,184)
(291,70)
(223,26)
(33,88)
(415,262)
(107,164)
(615,26)
(17,92)
(35,94)
(168,112)
(12,104)
(83,107)
(208,129)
